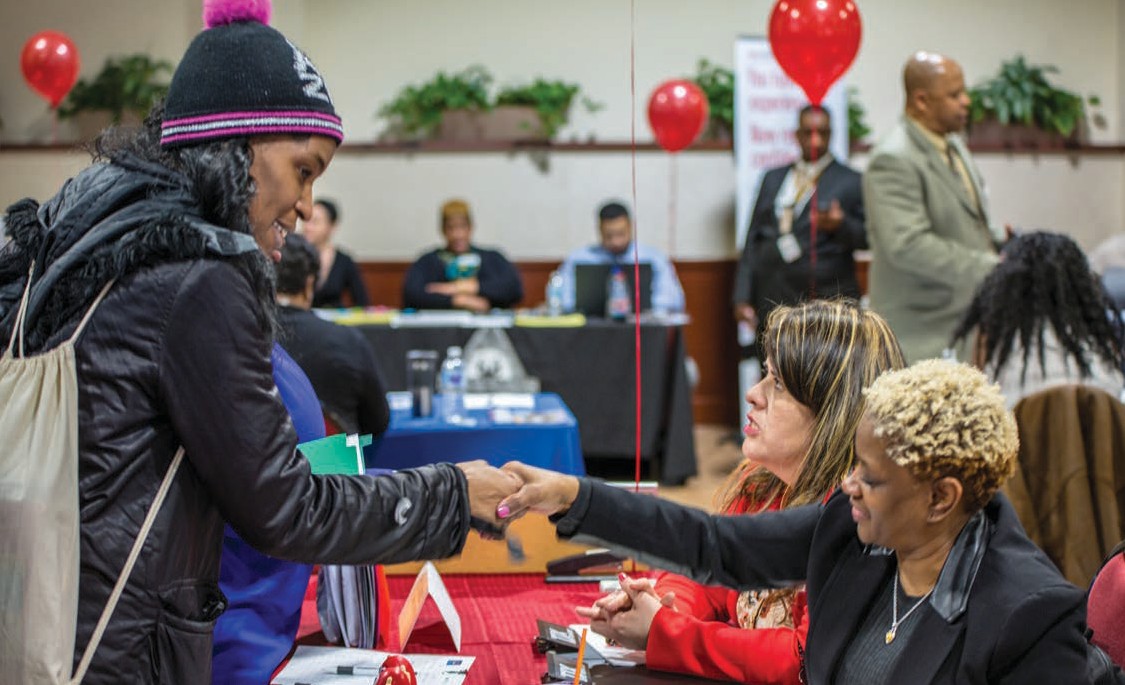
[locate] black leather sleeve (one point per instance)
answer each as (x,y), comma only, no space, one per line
(216,381)
(770,549)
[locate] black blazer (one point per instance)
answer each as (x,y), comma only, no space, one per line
(765,280)
(1000,612)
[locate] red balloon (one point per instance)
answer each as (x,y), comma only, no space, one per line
(815,41)
(397,670)
(677,112)
(49,62)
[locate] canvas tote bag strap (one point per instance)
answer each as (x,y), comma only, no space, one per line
(90,312)
(21,314)
(122,579)
(17,326)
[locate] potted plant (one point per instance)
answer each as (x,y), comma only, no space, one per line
(445,104)
(534,111)
(124,90)
(1019,106)
(717,83)
(858,129)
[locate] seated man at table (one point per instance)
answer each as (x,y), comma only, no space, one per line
(461,275)
(338,361)
(615,229)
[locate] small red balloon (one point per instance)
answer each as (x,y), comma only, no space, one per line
(397,671)
(49,62)
(677,112)
(815,41)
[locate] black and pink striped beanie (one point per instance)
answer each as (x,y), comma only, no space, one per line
(241,77)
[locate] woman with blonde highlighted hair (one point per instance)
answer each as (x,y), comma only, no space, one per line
(799,445)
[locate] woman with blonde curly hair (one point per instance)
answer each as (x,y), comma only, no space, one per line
(918,570)
(799,445)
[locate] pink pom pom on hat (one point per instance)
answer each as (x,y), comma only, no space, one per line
(223,12)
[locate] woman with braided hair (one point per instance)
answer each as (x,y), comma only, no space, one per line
(1042,318)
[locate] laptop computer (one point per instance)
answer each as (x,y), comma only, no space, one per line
(590,287)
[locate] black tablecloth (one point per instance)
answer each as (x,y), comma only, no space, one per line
(591,368)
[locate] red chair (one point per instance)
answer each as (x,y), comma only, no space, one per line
(1105,606)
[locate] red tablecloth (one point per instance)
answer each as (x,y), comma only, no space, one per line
(498,614)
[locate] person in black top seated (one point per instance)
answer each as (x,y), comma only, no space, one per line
(338,272)
(461,275)
(337,360)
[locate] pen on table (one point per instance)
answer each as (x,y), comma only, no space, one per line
(581,656)
(357,670)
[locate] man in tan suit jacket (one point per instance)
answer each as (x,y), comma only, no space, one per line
(927,216)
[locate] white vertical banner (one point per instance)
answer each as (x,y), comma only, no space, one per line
(766,102)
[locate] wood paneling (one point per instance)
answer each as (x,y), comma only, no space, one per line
(710,337)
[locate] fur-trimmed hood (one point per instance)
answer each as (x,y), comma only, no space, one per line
(107,222)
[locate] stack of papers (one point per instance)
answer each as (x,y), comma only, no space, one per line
(366,317)
(346,601)
(563,321)
(439,318)
(338,666)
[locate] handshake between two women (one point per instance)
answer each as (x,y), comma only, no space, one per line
(503,495)
(498,496)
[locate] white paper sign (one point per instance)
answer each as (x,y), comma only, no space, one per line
(429,584)
(766,103)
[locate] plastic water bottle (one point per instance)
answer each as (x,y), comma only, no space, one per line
(452,386)
(618,304)
(554,294)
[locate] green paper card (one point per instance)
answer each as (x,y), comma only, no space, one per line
(336,454)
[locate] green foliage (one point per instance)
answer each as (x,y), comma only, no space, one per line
(1021,94)
(857,123)
(717,83)
(551,100)
(125,84)
(417,110)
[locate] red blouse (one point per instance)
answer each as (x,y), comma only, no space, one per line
(701,636)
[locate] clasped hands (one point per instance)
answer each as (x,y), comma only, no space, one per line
(625,616)
(464,293)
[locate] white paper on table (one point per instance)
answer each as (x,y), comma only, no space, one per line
(513,400)
(429,584)
(318,666)
(477,400)
(399,400)
(617,656)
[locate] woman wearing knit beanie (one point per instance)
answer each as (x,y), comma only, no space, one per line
(179,221)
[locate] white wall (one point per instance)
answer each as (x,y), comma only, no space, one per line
(368,50)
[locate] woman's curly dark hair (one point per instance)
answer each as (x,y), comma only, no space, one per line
(219,173)
(1043,279)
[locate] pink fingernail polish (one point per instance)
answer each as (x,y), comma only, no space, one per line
(502,511)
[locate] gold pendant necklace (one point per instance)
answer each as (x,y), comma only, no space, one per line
(895,620)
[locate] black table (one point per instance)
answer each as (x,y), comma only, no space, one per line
(591,368)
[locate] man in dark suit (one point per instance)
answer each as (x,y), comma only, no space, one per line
(777,265)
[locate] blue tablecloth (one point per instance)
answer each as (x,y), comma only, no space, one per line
(411,442)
